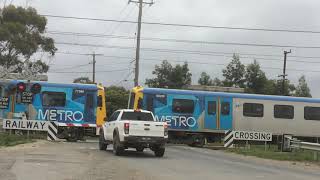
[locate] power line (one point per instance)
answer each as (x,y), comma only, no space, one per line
(183,41)
(186,25)
(246,57)
(207,53)
(72,67)
(218,43)
(168,40)
(201,63)
(63,72)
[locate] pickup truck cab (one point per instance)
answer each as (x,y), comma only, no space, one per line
(129,128)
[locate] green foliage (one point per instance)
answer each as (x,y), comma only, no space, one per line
(12,140)
(302,89)
(168,76)
(216,82)
(288,88)
(256,79)
(21,35)
(234,73)
(205,79)
(83,80)
(272,152)
(116,98)
(250,77)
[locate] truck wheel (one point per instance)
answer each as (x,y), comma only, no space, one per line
(140,149)
(102,142)
(117,148)
(159,152)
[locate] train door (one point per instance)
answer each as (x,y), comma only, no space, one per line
(90,107)
(225,112)
(210,120)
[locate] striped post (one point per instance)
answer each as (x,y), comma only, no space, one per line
(228,139)
(52,131)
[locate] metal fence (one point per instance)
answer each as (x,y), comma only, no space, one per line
(294,143)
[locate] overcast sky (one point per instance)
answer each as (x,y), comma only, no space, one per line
(270,14)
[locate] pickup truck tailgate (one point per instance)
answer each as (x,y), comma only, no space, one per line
(146,128)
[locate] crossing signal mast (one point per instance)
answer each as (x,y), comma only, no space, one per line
(140,2)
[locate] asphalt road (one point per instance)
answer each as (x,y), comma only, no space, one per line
(73,161)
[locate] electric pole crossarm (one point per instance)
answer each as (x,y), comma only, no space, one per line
(149,3)
(94,65)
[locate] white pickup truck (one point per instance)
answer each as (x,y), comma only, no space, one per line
(129,128)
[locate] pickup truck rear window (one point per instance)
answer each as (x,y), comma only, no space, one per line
(137,116)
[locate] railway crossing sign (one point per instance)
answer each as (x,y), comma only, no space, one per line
(231,136)
(25,124)
(34,125)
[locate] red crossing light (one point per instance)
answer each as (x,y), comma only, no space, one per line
(21,87)
(36,88)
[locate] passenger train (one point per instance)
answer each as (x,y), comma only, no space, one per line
(78,108)
(197,116)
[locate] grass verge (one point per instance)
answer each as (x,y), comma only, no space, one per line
(12,140)
(272,152)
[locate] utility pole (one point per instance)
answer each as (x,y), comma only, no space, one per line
(94,65)
(284,71)
(140,2)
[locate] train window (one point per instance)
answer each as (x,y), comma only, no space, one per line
(253,110)
(212,107)
(283,111)
(99,101)
(90,101)
(1,93)
(225,108)
(140,103)
(150,102)
(311,113)
(183,106)
(55,99)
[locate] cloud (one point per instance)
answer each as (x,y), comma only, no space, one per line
(274,14)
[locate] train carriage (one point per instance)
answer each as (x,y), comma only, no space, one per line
(78,108)
(196,116)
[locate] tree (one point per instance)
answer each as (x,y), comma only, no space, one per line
(302,89)
(216,82)
(83,80)
(270,87)
(168,76)
(234,73)
(205,79)
(22,35)
(256,79)
(274,87)
(116,98)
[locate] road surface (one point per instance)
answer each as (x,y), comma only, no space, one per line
(82,161)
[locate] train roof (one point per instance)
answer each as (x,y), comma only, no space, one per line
(61,85)
(233,95)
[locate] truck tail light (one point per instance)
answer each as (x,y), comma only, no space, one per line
(126,128)
(165,129)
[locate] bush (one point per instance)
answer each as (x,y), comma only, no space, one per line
(12,139)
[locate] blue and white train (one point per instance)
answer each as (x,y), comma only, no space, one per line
(75,107)
(203,115)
